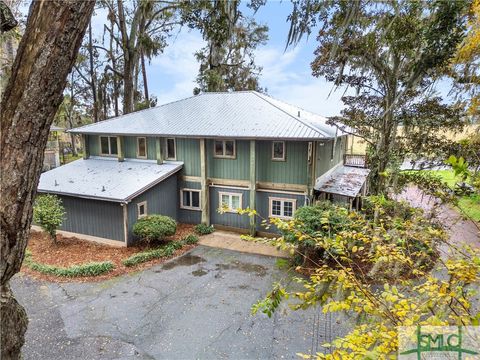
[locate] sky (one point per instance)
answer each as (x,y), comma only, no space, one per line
(286,74)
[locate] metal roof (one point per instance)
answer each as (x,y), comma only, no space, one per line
(241,114)
(56,128)
(106,179)
(343,180)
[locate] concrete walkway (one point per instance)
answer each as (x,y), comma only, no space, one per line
(232,241)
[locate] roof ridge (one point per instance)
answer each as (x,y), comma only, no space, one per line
(286,112)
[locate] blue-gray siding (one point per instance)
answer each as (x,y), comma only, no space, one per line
(93,217)
(228,219)
(161,199)
(184,215)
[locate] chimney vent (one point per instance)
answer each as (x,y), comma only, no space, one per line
(298,113)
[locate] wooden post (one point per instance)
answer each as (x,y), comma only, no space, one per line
(204,194)
(120,148)
(158,148)
(311,159)
(86,150)
(253,186)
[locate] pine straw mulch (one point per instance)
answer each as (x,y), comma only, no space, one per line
(73,251)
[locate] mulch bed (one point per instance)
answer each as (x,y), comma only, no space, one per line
(73,251)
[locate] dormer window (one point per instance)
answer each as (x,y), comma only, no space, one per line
(224,149)
(108,145)
(142,147)
(278,150)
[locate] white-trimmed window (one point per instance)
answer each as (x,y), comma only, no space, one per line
(190,199)
(230,201)
(282,208)
(224,149)
(142,209)
(278,150)
(170,149)
(142,147)
(108,145)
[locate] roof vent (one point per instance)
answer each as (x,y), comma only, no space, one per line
(56,184)
(298,113)
(103,188)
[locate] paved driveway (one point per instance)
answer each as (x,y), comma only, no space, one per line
(196,306)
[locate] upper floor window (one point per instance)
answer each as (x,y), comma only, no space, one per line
(190,199)
(171,149)
(278,150)
(142,147)
(230,201)
(282,208)
(142,209)
(224,149)
(108,145)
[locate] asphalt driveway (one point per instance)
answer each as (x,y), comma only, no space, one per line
(195,306)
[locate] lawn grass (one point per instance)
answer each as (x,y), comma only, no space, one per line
(470,205)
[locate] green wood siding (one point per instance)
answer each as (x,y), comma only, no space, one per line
(324,160)
(238,168)
(130,143)
(184,215)
(228,219)
(188,151)
(291,171)
(93,145)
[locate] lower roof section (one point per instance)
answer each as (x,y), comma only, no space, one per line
(106,179)
(343,180)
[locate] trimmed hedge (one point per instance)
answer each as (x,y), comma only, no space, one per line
(89,269)
(148,255)
(154,227)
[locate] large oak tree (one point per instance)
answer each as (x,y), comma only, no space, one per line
(45,56)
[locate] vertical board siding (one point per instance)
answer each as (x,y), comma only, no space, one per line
(93,217)
(151,148)
(161,199)
(93,144)
(263,207)
(130,143)
(324,161)
(238,168)
(291,171)
(228,219)
(184,215)
(188,151)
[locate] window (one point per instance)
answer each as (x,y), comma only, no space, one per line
(171,149)
(142,209)
(190,199)
(232,201)
(142,147)
(108,145)
(282,208)
(224,149)
(278,150)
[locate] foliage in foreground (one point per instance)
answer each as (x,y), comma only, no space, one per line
(190,239)
(202,229)
(144,256)
(89,269)
(154,228)
(49,213)
(439,296)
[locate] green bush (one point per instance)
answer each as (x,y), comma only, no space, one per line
(190,239)
(202,229)
(89,269)
(49,213)
(154,228)
(148,255)
(323,218)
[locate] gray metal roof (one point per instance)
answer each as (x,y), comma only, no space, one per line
(106,179)
(343,180)
(242,114)
(56,128)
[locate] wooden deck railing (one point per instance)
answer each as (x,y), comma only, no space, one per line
(356,160)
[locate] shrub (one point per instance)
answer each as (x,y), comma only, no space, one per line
(190,239)
(49,213)
(148,255)
(154,228)
(89,269)
(202,229)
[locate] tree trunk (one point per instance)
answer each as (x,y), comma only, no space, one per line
(93,75)
(45,56)
(145,81)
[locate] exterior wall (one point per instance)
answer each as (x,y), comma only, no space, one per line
(324,162)
(263,201)
(188,151)
(93,145)
(161,199)
(238,168)
(291,171)
(93,217)
(184,215)
(228,219)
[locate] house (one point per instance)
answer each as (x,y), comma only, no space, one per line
(188,158)
(51,158)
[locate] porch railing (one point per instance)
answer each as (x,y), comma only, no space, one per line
(356,160)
